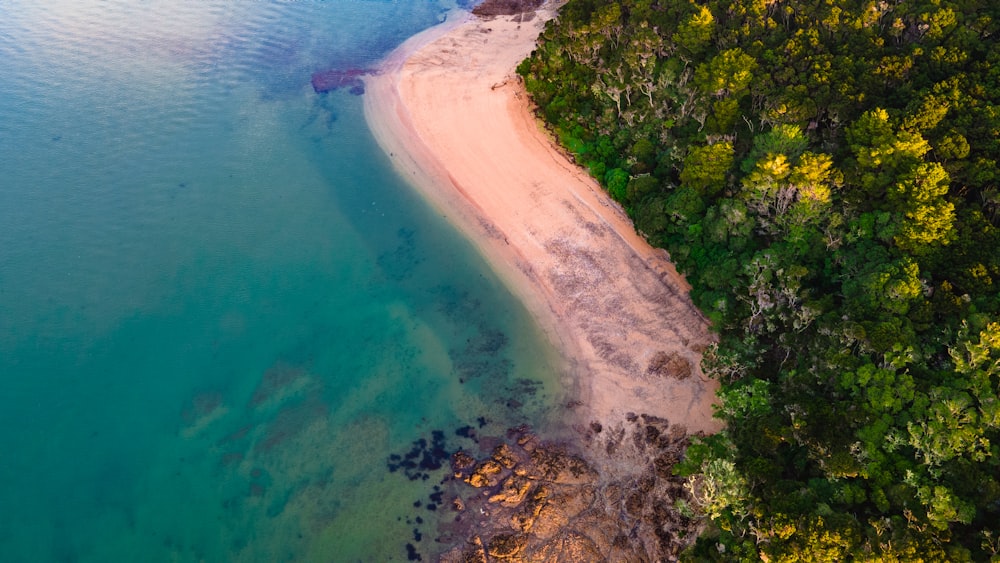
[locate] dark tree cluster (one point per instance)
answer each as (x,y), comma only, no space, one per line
(826,175)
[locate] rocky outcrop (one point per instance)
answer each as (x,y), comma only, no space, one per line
(529,501)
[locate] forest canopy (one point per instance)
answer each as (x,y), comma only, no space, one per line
(825,173)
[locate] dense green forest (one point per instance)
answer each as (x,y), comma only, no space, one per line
(825,173)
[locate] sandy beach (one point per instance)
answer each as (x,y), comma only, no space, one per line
(449,109)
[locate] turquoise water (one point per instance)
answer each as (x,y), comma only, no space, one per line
(221,311)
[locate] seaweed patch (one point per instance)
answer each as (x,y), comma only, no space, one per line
(424,456)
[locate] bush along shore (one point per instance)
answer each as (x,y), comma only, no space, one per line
(826,176)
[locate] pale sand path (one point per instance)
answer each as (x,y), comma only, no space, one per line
(450,110)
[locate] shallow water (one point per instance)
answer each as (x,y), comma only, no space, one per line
(221,311)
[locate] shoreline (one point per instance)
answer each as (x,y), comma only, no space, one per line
(451,113)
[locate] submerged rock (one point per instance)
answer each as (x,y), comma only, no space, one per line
(460,461)
(335,79)
(423,458)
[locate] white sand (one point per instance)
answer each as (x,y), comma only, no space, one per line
(451,112)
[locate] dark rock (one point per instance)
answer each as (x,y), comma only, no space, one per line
(335,79)
(503,455)
(461,461)
(650,419)
(652,433)
(664,464)
(506,546)
(560,467)
(472,553)
(646,483)
(518,431)
(633,504)
(491,8)
(669,365)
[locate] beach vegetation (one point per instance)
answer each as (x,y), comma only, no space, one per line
(826,176)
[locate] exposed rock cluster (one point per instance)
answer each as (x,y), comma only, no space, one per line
(531,501)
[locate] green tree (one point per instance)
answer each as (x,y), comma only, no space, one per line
(727,74)
(825,175)
(705,168)
(919,197)
(695,32)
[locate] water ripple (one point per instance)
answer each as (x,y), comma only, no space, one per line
(174,220)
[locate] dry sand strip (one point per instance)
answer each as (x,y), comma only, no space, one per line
(451,112)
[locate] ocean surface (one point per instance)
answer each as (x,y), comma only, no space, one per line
(228,330)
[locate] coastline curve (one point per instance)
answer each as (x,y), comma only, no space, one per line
(449,110)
